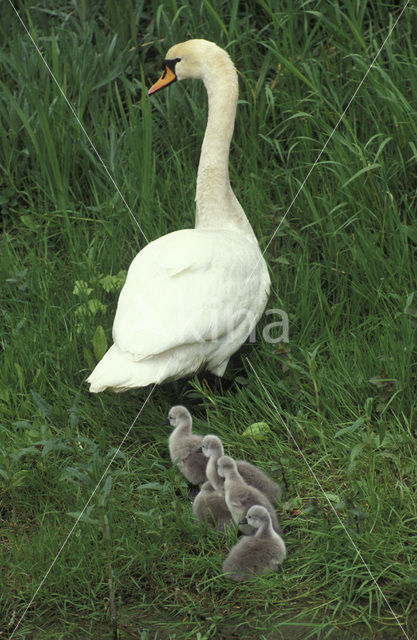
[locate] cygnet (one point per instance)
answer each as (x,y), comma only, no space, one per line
(211,507)
(183,445)
(240,496)
(212,447)
(258,554)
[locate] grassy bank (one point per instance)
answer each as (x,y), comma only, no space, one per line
(343,266)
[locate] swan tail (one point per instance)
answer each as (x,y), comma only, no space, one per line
(115,371)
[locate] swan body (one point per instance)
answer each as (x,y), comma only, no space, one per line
(183,445)
(191,297)
(258,554)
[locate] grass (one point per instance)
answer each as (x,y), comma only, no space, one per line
(343,265)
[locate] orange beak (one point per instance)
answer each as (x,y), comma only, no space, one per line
(167,78)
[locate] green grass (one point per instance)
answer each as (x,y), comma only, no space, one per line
(343,266)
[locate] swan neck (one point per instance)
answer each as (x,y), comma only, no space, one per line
(184,428)
(211,473)
(233,475)
(216,205)
(265,530)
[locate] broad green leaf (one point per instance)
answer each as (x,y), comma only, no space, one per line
(71,473)
(29,222)
(18,478)
(99,342)
(53,444)
(95,305)
(4,474)
(81,288)
(42,405)
(89,357)
(332,497)
(351,428)
(105,492)
(257,431)
(115,452)
(113,282)
(24,452)
(411,232)
(382,429)
(151,485)
(356,450)
(83,518)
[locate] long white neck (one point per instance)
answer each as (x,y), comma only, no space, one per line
(217,206)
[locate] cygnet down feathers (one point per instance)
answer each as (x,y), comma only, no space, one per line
(183,445)
(212,447)
(211,507)
(258,554)
(240,496)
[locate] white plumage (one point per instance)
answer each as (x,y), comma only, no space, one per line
(192,297)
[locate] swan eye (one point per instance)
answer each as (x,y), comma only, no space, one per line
(169,64)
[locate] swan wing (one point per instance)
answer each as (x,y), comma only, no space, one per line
(189,287)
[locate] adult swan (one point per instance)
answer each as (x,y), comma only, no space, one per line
(192,297)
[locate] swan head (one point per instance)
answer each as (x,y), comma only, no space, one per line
(192,59)
(257,517)
(179,416)
(226,466)
(212,446)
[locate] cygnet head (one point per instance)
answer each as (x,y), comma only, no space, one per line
(179,416)
(192,59)
(212,446)
(257,517)
(226,466)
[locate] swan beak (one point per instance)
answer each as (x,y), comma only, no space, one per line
(244,521)
(168,77)
(199,450)
(165,423)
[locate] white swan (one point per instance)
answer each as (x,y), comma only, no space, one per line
(191,297)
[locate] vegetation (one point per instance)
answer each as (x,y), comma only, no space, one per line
(341,395)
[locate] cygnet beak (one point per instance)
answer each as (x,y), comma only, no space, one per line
(199,450)
(244,521)
(165,423)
